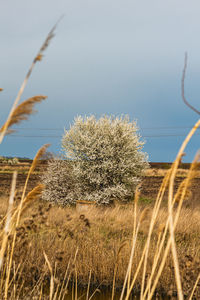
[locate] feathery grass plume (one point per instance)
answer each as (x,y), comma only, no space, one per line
(31,196)
(8,218)
(194,287)
(21,90)
(35,193)
(22,112)
(36,159)
(35,162)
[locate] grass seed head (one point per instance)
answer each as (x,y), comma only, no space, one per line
(22,112)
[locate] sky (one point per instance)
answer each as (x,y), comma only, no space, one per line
(108,57)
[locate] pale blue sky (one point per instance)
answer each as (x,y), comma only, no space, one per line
(108,56)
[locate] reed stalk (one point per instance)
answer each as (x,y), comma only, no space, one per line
(8,219)
(37,58)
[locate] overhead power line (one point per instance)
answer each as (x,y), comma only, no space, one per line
(142,128)
(59,136)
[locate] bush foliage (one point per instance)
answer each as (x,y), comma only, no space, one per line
(105,158)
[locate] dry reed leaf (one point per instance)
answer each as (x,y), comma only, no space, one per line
(22,112)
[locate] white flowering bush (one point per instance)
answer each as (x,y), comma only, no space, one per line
(59,183)
(105,158)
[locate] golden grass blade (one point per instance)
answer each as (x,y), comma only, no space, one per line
(21,113)
(64,279)
(52,279)
(115,268)
(194,287)
(97,290)
(136,199)
(134,240)
(10,205)
(21,90)
(70,273)
(7,224)
(88,287)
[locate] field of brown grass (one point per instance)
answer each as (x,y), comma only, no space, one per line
(96,243)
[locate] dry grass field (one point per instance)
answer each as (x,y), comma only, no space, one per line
(95,245)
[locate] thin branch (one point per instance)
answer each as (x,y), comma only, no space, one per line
(183,87)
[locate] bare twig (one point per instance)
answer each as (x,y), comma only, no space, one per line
(183,87)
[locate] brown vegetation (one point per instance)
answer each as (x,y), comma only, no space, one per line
(101,239)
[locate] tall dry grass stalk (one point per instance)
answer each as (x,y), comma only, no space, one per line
(170,225)
(194,287)
(170,208)
(115,268)
(39,154)
(37,58)
(17,114)
(174,223)
(52,277)
(8,219)
(164,229)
